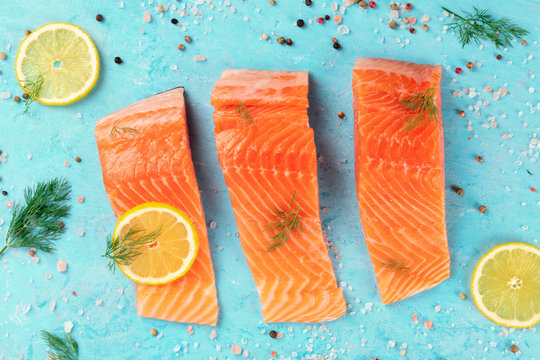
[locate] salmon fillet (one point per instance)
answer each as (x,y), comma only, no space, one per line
(400,177)
(154,164)
(265,164)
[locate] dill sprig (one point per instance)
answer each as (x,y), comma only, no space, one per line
(36,223)
(65,348)
(120,129)
(286,222)
(421,107)
(242,110)
(396,265)
(122,250)
(32,88)
(478,26)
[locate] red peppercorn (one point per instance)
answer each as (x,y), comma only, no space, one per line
(320,20)
(408,6)
(458,70)
(32,252)
(61,224)
(533,189)
(372,4)
(74,293)
(412,30)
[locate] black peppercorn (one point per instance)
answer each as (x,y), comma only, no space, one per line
(300,23)
(99,17)
(273,334)
(118,60)
(308,2)
(326,17)
(288,42)
(174,21)
(337,45)
(4,192)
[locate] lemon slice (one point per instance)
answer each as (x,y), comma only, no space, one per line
(62,59)
(172,252)
(506,285)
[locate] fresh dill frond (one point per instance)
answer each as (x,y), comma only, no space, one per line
(36,222)
(32,88)
(242,110)
(396,265)
(122,250)
(479,25)
(286,222)
(121,129)
(65,348)
(421,107)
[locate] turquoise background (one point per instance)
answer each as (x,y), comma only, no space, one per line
(228,39)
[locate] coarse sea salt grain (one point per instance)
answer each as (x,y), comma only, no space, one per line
(68,326)
(236,350)
(199,58)
(61,266)
(343,29)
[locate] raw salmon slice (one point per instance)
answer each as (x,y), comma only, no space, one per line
(145,156)
(400,177)
(264,165)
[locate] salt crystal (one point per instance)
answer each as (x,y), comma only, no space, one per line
(412,20)
(35,259)
(5,95)
(343,29)
(66,163)
(437,308)
(190,330)
(52,305)
(337,19)
(425,18)
(236,350)
(68,326)
(48,276)
(531,90)
(176,348)
(415,318)
(99,302)
(29,156)
(199,58)
(213,335)
(245,353)
(147,17)
(428,324)
(213,225)
(334,6)
(394,14)
(61,266)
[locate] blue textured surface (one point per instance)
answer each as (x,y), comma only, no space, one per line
(229,39)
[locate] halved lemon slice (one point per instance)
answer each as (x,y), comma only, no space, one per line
(57,64)
(173,250)
(506,285)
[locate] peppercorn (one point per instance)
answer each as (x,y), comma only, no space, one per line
(272,2)
(308,2)
(273,334)
(394,6)
(60,224)
(153,332)
(326,17)
(459,191)
(412,30)
(320,20)
(181,47)
(187,38)
(118,60)
(273,353)
(408,6)
(406,20)
(265,36)
(372,4)
(424,27)
(392,24)
(334,40)
(4,192)
(300,23)
(470,65)
(479,159)
(16,99)
(25,96)
(337,45)
(482,209)
(281,39)
(341,115)
(462,113)
(499,56)
(77,159)
(27,32)
(462,295)
(514,349)
(160,8)
(174,21)
(458,70)
(362,4)
(32,252)
(99,17)
(523,42)
(289,42)
(3,55)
